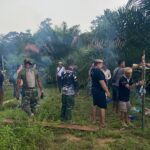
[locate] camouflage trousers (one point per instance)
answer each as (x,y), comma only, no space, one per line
(29,100)
(67,106)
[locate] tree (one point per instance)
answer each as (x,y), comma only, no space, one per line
(143,5)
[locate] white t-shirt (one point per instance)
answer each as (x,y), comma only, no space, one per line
(60,70)
(107,74)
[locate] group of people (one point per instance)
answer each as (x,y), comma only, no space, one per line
(99,76)
(122,83)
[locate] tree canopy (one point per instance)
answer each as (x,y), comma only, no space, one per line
(119,34)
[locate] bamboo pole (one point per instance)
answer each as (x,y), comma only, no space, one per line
(143,94)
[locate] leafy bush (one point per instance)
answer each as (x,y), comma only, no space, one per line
(49,108)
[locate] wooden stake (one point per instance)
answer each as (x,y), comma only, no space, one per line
(143,94)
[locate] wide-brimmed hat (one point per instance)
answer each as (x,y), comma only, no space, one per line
(98,61)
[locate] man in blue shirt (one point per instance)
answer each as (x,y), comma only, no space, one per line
(99,91)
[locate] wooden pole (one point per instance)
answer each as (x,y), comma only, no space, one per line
(143,93)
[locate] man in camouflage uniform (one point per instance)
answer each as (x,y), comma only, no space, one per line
(69,89)
(29,76)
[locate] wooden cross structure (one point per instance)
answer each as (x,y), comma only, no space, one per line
(143,66)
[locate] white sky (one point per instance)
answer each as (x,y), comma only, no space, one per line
(20,15)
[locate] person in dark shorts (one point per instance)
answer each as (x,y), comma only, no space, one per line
(117,74)
(125,85)
(99,91)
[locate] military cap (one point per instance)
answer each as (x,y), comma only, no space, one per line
(28,61)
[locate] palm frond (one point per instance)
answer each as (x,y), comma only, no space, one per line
(143,5)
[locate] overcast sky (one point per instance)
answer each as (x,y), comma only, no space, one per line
(20,15)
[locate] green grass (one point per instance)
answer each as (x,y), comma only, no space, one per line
(28,134)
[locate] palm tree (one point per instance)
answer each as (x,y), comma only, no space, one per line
(143,5)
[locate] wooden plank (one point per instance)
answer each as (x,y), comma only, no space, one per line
(60,126)
(72,127)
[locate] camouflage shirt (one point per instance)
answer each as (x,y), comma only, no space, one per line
(69,83)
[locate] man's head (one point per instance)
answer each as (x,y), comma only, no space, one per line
(70,67)
(128,72)
(27,63)
(98,63)
(121,63)
(60,63)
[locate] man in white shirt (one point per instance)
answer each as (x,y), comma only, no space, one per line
(59,72)
(107,73)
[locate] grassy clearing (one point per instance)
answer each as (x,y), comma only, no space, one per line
(26,134)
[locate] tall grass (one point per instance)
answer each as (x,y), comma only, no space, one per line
(27,133)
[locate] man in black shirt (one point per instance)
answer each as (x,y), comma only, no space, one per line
(125,85)
(99,91)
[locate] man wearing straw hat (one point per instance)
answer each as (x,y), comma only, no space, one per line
(99,91)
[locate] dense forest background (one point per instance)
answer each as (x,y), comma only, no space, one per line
(118,34)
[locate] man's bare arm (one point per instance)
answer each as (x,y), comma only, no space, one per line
(105,88)
(39,83)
